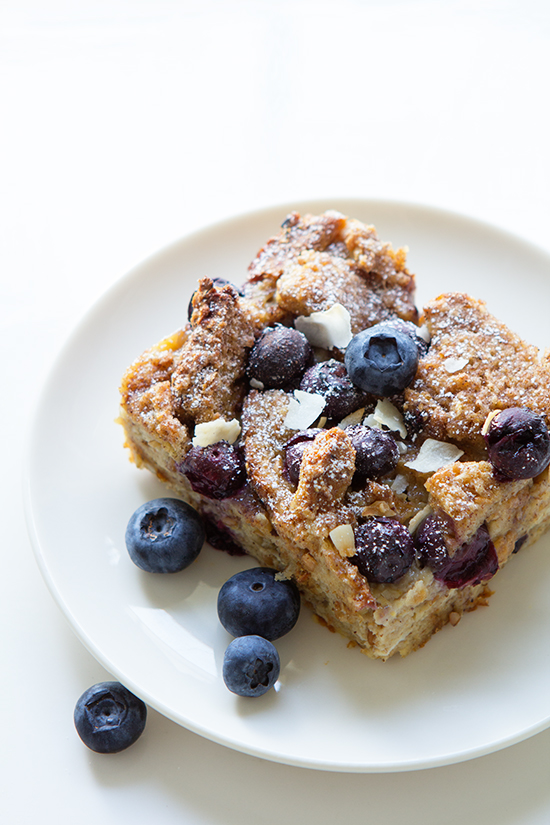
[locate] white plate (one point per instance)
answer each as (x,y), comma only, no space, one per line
(473,689)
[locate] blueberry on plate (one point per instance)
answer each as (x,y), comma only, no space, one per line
(251,666)
(382,359)
(164,535)
(108,718)
(254,603)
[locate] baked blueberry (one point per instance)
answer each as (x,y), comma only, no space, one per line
(216,471)
(164,535)
(294,451)
(376,451)
(384,550)
(108,718)
(219,537)
(331,380)
(518,444)
(251,666)
(255,602)
(382,360)
(279,357)
(474,562)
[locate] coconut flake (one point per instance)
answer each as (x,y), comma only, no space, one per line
(424,333)
(255,384)
(351,419)
(304,409)
(343,539)
(399,484)
(210,432)
(433,455)
(387,415)
(327,329)
(455,364)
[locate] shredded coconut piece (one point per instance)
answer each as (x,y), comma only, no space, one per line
(304,409)
(433,455)
(351,419)
(328,329)
(344,540)
(210,432)
(487,424)
(387,415)
(399,484)
(455,364)
(424,333)
(255,384)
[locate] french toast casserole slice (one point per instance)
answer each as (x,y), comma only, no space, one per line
(259,432)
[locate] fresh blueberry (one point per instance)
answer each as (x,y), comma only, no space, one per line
(376,452)
(384,550)
(279,357)
(474,562)
(331,380)
(294,451)
(382,360)
(255,602)
(217,282)
(216,471)
(164,535)
(251,666)
(518,444)
(108,718)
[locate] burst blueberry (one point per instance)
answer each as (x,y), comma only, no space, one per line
(384,550)
(255,602)
(216,471)
(518,444)
(251,666)
(109,718)
(279,357)
(164,535)
(473,562)
(331,380)
(382,360)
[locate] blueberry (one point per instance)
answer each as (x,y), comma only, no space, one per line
(254,602)
(412,330)
(376,452)
(331,380)
(518,444)
(251,666)
(216,471)
(382,360)
(384,550)
(108,718)
(279,357)
(294,451)
(219,537)
(217,282)
(474,561)
(164,535)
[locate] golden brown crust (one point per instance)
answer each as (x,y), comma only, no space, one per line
(208,382)
(500,371)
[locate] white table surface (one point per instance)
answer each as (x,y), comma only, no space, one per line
(125,125)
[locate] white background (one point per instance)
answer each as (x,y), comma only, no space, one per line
(124,125)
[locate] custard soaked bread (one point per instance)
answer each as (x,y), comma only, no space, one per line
(389,468)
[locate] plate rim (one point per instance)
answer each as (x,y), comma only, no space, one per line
(119,284)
